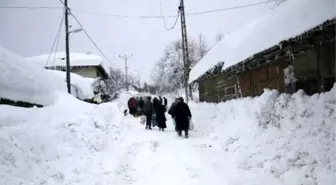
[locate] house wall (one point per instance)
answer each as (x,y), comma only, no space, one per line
(207,90)
(327,65)
(314,68)
(89,72)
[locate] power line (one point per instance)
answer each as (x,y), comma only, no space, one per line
(230,8)
(140,16)
(59,35)
(56,40)
(29,7)
(94,43)
(164,20)
(171,16)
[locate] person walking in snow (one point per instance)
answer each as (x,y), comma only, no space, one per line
(171,112)
(131,106)
(148,110)
(160,117)
(165,102)
(156,103)
(141,106)
(182,117)
(160,100)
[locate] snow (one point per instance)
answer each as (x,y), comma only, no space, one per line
(22,81)
(83,84)
(60,144)
(290,19)
(272,139)
(76,59)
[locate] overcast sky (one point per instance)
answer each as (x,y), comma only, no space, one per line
(31,32)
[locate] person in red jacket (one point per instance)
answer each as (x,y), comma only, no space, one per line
(131,106)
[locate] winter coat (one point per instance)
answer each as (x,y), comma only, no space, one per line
(155,103)
(148,107)
(172,108)
(160,116)
(182,115)
(131,103)
(165,102)
(141,103)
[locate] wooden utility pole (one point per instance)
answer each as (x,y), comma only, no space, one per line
(125,57)
(186,61)
(67,52)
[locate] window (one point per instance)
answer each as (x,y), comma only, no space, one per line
(231,90)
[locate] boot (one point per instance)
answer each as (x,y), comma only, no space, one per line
(179,133)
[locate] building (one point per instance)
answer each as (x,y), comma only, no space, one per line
(290,48)
(83,64)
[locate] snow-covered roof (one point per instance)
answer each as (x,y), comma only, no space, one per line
(76,59)
(83,84)
(290,19)
(22,81)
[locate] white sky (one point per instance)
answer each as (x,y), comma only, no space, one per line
(31,32)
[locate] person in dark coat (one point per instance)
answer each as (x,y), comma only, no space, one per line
(160,100)
(141,105)
(165,102)
(155,103)
(148,110)
(160,116)
(171,112)
(182,117)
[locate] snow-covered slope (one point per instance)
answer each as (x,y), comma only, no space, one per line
(21,80)
(83,84)
(290,19)
(273,139)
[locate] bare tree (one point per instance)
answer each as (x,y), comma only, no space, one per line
(169,70)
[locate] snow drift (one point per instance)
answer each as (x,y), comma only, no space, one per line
(23,81)
(60,144)
(290,138)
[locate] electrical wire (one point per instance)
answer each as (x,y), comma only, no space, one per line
(93,42)
(164,20)
(56,40)
(29,7)
(172,16)
(141,16)
(230,8)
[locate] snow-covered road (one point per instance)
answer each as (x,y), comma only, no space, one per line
(153,157)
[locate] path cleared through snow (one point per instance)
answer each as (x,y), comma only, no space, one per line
(154,157)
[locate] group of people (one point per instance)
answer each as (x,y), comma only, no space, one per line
(154,111)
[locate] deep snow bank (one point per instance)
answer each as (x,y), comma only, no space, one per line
(290,137)
(70,142)
(23,81)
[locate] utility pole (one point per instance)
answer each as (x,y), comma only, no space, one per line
(125,57)
(186,61)
(66,11)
